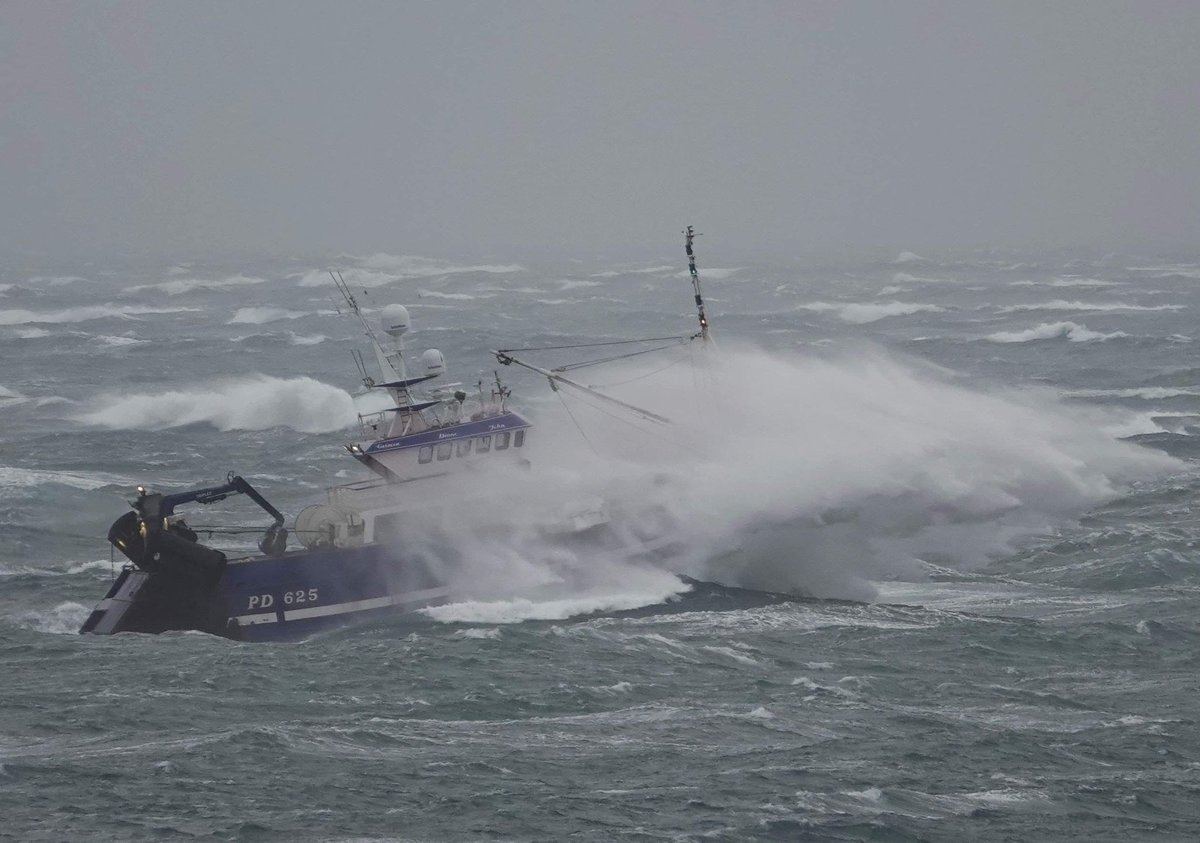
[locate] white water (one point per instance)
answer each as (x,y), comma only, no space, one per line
(823,476)
(253,403)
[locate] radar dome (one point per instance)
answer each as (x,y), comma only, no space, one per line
(434,362)
(395,320)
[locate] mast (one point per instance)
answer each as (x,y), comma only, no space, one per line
(690,235)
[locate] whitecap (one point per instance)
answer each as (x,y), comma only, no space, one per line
(10,397)
(1146,393)
(84,313)
(54,280)
(63,619)
(478,633)
(713,273)
(1054,330)
(859,313)
(13,477)
(253,403)
(520,609)
(262,315)
(118,342)
(178,286)
(1101,307)
(435,294)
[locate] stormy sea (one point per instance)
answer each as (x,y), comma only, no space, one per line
(936,573)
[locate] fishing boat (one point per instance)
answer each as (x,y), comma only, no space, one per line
(348,559)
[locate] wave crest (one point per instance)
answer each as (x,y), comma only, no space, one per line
(255,403)
(1072,331)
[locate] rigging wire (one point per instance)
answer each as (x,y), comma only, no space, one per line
(593,344)
(571,366)
(576,421)
(675,362)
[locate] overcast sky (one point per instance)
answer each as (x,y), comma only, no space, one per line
(522,128)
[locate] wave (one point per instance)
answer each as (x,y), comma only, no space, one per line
(1066,282)
(119,342)
(657,588)
(1054,330)
(435,294)
(907,278)
(712,273)
(382,268)
(10,397)
(254,403)
(1101,307)
(54,280)
(63,619)
(178,286)
(14,478)
(262,315)
(909,257)
(859,313)
(85,313)
(1148,393)
(865,468)
(647,270)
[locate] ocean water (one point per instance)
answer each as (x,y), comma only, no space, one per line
(937,575)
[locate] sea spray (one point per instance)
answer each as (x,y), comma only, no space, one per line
(813,476)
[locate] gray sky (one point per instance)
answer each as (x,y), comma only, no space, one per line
(522,128)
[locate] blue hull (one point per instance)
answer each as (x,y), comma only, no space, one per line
(270,598)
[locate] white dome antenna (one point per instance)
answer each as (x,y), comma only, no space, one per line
(434,362)
(395,321)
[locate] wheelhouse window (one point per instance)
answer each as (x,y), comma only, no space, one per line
(518,438)
(502,440)
(463,448)
(425,454)
(485,444)
(444,450)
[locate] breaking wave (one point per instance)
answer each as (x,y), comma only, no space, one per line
(1055,330)
(178,286)
(1148,393)
(262,315)
(84,314)
(381,268)
(13,477)
(837,473)
(9,397)
(1100,307)
(255,403)
(1067,282)
(861,313)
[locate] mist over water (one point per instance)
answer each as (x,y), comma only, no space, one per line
(1001,480)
